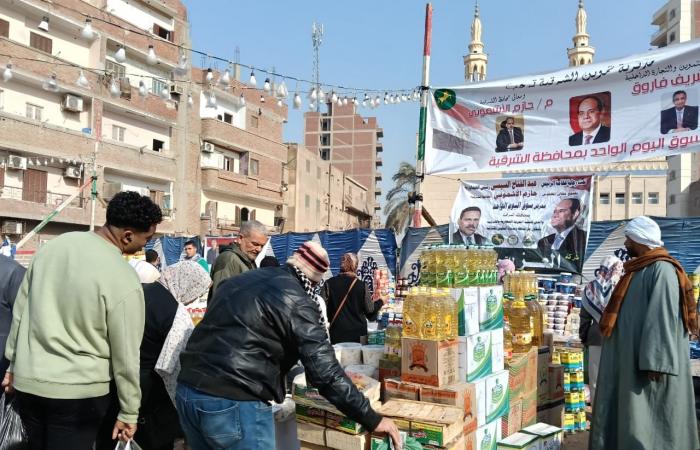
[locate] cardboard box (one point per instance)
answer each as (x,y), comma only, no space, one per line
(544,358)
(497,395)
(512,422)
(530,409)
(316,437)
(468,306)
(343,441)
(555,382)
(470,441)
(487,437)
(461,395)
(311,433)
(478,359)
(305,395)
(550,437)
(480,390)
(490,307)
(523,373)
(434,363)
(382,443)
(428,423)
(498,359)
(552,413)
(394,388)
(389,368)
(519,441)
(327,419)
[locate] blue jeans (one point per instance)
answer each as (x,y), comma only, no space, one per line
(215,423)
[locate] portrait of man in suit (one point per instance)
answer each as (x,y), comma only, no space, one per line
(589,113)
(681,117)
(510,137)
(467,224)
(568,240)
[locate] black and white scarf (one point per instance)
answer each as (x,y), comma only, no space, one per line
(312,290)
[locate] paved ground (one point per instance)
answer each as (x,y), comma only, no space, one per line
(577,441)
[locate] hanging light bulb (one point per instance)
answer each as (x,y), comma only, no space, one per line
(345,101)
(386,98)
(253,81)
(312,95)
(355,102)
(416,95)
(181,68)
(321,95)
(282,91)
(297,101)
(334,97)
(364,103)
(279,103)
(211,100)
(120,55)
(82,81)
(44,24)
(87,32)
(377,102)
(210,75)
(312,106)
(262,98)
(266,86)
(143,91)
(225,79)
(151,58)
(241,100)
(165,92)
(7,73)
(51,84)
(398,98)
(114,88)
(190,100)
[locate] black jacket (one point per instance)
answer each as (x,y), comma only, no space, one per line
(260,324)
(603,135)
(11,276)
(458,240)
(503,139)
(589,330)
(351,323)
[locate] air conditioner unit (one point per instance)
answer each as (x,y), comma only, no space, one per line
(207,147)
(175,89)
(109,190)
(72,103)
(72,172)
(12,227)
(17,162)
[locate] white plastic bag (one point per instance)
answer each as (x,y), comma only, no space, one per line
(130,445)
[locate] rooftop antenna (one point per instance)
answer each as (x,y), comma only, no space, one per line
(316,39)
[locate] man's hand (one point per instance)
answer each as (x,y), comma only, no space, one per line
(389,427)
(7,383)
(654,376)
(123,431)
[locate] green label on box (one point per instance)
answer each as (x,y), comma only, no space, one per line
(422,432)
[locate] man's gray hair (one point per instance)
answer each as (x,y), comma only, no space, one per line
(253,226)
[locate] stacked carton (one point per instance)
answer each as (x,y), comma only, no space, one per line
(540,436)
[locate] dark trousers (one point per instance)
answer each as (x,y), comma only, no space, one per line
(57,424)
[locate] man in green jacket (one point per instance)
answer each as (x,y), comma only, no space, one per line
(77,324)
(239,257)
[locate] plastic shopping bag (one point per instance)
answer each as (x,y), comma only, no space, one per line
(12,434)
(131,445)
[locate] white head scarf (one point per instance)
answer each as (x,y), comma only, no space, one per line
(186,280)
(645,231)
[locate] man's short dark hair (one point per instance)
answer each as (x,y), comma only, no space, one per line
(269,261)
(679,92)
(599,103)
(575,204)
(190,242)
(468,209)
(151,256)
(132,210)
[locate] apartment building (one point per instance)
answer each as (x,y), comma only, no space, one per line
(320,196)
(351,143)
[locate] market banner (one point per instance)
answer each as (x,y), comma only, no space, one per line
(540,222)
(633,108)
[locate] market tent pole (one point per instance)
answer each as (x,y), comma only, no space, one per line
(420,163)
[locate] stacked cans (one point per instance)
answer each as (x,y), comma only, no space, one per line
(574,390)
(557,295)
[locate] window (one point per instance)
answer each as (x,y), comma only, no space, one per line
(158,145)
(671,199)
(619,198)
(672,36)
(40,42)
(653,198)
(604,198)
(326,154)
(166,34)
(254,167)
(245,215)
(228,118)
(325,139)
(158,85)
(307,200)
(637,198)
(118,133)
(254,121)
(230,164)
(117,69)
(308,166)
(325,124)
(34,111)
(4,28)
(671,175)
(672,14)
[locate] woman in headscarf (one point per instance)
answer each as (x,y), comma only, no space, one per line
(167,328)
(595,298)
(349,303)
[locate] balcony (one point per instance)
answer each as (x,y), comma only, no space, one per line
(659,39)
(236,185)
(229,136)
(379,162)
(380,147)
(128,158)
(36,205)
(378,176)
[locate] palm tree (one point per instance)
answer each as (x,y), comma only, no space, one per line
(398,211)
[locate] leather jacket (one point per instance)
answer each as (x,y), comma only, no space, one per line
(260,324)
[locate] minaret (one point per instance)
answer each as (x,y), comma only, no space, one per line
(475,62)
(582,53)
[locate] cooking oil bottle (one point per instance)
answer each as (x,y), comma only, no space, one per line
(536,313)
(461,274)
(507,340)
(430,315)
(427,267)
(447,317)
(410,326)
(520,320)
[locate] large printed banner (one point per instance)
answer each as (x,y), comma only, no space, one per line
(541,222)
(630,109)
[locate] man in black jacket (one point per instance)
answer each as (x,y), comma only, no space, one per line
(236,360)
(11,275)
